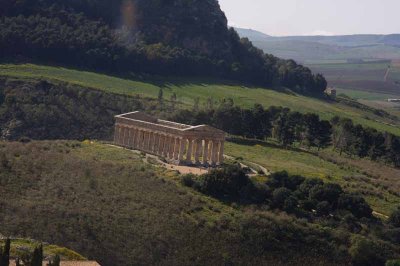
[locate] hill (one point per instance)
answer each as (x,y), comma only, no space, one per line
(308,49)
(85,181)
(178,37)
(157,221)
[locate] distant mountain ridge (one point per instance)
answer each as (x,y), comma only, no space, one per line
(303,48)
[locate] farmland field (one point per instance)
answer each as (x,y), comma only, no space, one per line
(371,76)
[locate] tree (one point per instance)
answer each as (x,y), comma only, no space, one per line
(55,262)
(355,204)
(161,96)
(173,100)
(342,134)
(365,252)
(394,218)
(5,253)
(37,256)
(324,136)
(280,196)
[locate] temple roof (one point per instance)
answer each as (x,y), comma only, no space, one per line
(142,117)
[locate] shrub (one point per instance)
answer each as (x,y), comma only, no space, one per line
(323,208)
(394,218)
(356,205)
(326,192)
(393,263)
(365,252)
(280,196)
(188,180)
(225,183)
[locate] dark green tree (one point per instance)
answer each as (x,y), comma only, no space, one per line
(37,256)
(394,218)
(5,253)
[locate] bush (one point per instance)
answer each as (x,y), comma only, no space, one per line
(280,196)
(323,208)
(188,180)
(365,253)
(225,183)
(393,263)
(394,218)
(356,205)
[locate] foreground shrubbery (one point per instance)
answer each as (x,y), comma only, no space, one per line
(319,202)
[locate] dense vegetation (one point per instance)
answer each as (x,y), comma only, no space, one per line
(312,199)
(177,37)
(41,110)
(157,220)
(290,127)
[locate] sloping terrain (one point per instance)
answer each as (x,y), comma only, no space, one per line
(110,206)
(188,90)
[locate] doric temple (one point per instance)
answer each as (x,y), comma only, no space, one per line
(178,143)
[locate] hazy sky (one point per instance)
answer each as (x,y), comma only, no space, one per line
(311,17)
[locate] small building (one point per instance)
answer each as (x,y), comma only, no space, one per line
(177,143)
(331,92)
(394,100)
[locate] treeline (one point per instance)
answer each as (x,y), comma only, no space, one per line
(290,127)
(156,37)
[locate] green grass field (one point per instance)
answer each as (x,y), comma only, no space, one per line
(188,90)
(353,174)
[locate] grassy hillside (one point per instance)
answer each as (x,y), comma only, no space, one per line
(106,203)
(188,90)
(376,182)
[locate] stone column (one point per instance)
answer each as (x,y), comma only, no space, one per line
(125,138)
(128,143)
(166,146)
(116,133)
(156,143)
(214,153)
(134,138)
(205,152)
(182,144)
(221,152)
(151,142)
(171,148)
(140,140)
(189,151)
(147,141)
(176,149)
(198,151)
(161,145)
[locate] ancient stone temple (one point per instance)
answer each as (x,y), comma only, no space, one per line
(178,143)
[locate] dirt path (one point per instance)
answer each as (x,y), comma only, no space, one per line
(191,169)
